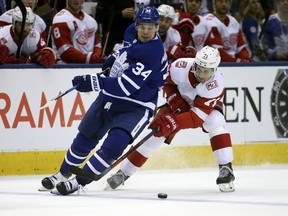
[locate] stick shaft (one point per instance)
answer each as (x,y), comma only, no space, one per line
(59,96)
(50,27)
(66,92)
(24,13)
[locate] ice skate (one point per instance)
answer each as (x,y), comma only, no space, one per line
(117,179)
(226,178)
(66,188)
(48,183)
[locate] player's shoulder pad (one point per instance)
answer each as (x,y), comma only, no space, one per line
(233,20)
(7,16)
(180,68)
(209,16)
(62,16)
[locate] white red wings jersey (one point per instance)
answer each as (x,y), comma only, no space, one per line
(33,43)
(232,36)
(203,34)
(202,97)
(171,38)
(40,26)
(74,31)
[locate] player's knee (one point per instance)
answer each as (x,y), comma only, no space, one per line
(151,145)
(214,121)
(82,145)
(115,143)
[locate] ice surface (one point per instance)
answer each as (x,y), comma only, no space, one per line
(260,191)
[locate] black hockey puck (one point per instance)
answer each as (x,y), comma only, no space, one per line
(162,195)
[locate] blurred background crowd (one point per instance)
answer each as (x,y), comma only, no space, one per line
(242,30)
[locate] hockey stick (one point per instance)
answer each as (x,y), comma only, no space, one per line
(80,172)
(24,13)
(50,27)
(111,13)
(49,103)
(266,10)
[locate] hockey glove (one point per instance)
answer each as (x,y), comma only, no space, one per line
(46,57)
(175,52)
(177,103)
(185,21)
(4,53)
(167,123)
(87,83)
(96,58)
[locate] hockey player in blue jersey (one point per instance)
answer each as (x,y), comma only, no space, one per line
(126,101)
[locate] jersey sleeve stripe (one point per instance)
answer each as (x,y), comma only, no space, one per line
(123,87)
(165,66)
(130,81)
(63,48)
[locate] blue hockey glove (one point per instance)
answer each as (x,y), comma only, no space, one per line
(88,83)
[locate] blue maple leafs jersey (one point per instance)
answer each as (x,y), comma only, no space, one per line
(138,72)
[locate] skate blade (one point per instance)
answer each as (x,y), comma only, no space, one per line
(43,189)
(55,191)
(227,187)
(108,188)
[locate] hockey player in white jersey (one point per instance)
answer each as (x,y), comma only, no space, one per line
(33,48)
(127,100)
(170,37)
(230,31)
(194,93)
(40,26)
(75,35)
(196,31)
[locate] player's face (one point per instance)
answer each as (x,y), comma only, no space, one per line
(165,23)
(17,29)
(203,74)
(222,7)
(29,3)
(193,6)
(146,31)
(74,5)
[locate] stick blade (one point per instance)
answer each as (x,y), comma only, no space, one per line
(78,171)
(49,103)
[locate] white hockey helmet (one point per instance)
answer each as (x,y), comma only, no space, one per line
(208,57)
(166,11)
(17,16)
(139,4)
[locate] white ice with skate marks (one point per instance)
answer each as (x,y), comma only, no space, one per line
(258,191)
